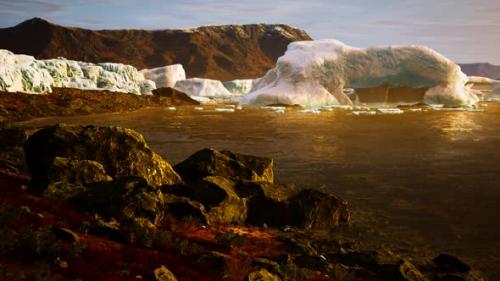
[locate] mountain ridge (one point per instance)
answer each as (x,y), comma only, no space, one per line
(223,52)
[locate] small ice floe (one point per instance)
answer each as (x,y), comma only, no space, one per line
(274,108)
(198,108)
(325,109)
(229,106)
(387,110)
(172,108)
(434,106)
(414,109)
(239,107)
(340,106)
(224,109)
(361,107)
(369,112)
(311,110)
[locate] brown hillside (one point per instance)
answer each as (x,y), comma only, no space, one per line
(218,52)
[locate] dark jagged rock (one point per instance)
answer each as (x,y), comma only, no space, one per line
(125,199)
(287,207)
(217,195)
(12,140)
(66,177)
(185,209)
(237,167)
(122,152)
(311,262)
(451,264)
(315,209)
(176,97)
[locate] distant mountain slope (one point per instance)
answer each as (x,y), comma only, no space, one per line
(481,69)
(218,52)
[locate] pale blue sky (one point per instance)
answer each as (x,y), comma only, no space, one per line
(464,30)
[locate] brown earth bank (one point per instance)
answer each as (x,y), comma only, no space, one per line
(96,203)
(218,52)
(71,102)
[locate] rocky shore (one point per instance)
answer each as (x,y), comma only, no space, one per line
(71,102)
(96,203)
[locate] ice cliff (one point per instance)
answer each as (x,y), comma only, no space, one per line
(205,90)
(21,73)
(315,73)
(165,76)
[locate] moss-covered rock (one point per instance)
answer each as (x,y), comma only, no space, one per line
(162,273)
(211,162)
(124,199)
(122,152)
(218,197)
(67,178)
(262,275)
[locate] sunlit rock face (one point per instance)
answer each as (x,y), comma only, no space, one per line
(21,73)
(315,73)
(204,90)
(165,76)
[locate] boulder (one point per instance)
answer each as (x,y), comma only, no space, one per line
(262,275)
(12,140)
(284,205)
(450,264)
(218,197)
(67,177)
(125,199)
(185,209)
(176,97)
(406,271)
(121,151)
(315,209)
(162,273)
(234,166)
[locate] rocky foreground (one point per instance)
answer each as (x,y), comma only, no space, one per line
(71,102)
(96,203)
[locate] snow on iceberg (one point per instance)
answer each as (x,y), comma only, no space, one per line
(315,74)
(204,90)
(21,73)
(165,76)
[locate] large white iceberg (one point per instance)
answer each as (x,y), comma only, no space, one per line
(21,73)
(316,73)
(204,90)
(165,76)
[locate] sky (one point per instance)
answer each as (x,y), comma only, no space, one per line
(463,30)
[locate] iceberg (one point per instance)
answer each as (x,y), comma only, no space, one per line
(21,73)
(323,72)
(204,90)
(165,76)
(239,87)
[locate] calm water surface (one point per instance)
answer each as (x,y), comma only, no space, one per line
(425,181)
